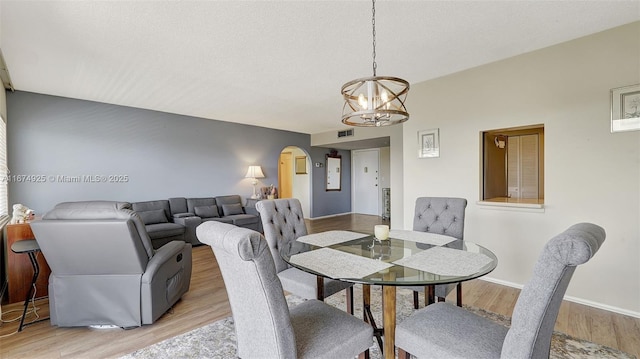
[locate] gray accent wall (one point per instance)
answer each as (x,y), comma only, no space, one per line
(63,149)
(332,202)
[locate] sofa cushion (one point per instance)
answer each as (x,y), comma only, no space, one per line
(207,211)
(243,219)
(178,205)
(153,216)
(162,230)
(219,219)
(183,215)
(231,209)
(152,205)
(199,202)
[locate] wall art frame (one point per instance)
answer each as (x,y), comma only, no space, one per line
(625,108)
(429,143)
(301,165)
(333,171)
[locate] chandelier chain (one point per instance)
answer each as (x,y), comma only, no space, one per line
(373,23)
(374,101)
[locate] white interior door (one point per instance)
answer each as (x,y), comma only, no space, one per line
(365,166)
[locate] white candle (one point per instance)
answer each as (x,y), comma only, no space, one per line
(381,231)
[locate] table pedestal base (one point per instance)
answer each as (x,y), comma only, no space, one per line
(387,347)
(368,317)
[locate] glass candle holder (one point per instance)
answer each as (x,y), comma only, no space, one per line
(381,232)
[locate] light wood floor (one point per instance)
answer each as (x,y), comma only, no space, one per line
(207,302)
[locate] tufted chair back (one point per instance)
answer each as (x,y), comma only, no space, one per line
(440,215)
(537,307)
(282,221)
(443,331)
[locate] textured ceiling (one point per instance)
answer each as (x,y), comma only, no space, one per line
(277,64)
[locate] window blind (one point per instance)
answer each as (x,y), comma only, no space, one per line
(4,170)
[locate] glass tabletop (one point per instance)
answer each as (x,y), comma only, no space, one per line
(394,261)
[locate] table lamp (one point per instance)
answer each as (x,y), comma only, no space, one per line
(254,172)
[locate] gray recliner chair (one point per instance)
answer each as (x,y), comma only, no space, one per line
(444,331)
(104,269)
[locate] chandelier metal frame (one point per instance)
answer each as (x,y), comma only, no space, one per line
(377,100)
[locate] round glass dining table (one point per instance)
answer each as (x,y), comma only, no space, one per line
(406,258)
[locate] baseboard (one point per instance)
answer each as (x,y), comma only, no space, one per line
(329,216)
(569,298)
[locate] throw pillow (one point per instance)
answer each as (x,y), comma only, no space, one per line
(231,209)
(206,211)
(154,216)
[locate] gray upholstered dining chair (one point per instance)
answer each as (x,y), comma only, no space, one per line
(265,326)
(445,216)
(283,221)
(444,331)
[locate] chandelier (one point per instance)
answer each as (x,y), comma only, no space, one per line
(377,100)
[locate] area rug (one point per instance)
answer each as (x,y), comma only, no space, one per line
(218,340)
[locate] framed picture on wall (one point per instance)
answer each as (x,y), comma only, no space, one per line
(301,165)
(625,108)
(429,143)
(333,175)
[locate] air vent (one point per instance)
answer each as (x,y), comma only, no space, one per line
(345,133)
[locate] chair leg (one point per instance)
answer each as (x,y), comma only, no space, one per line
(364,355)
(403,354)
(415,300)
(366,301)
(459,294)
(350,300)
(320,288)
(429,295)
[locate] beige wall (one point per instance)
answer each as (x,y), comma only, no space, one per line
(302,183)
(591,174)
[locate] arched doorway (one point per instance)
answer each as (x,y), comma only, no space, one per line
(294,176)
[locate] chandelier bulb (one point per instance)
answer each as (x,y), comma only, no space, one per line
(362,101)
(384,96)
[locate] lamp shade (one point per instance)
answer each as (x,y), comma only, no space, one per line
(254,172)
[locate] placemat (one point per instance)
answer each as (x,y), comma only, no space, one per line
(446,261)
(421,237)
(329,238)
(337,264)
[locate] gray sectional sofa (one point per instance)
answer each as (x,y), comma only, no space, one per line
(177,218)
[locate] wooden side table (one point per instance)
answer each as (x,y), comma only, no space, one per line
(18,266)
